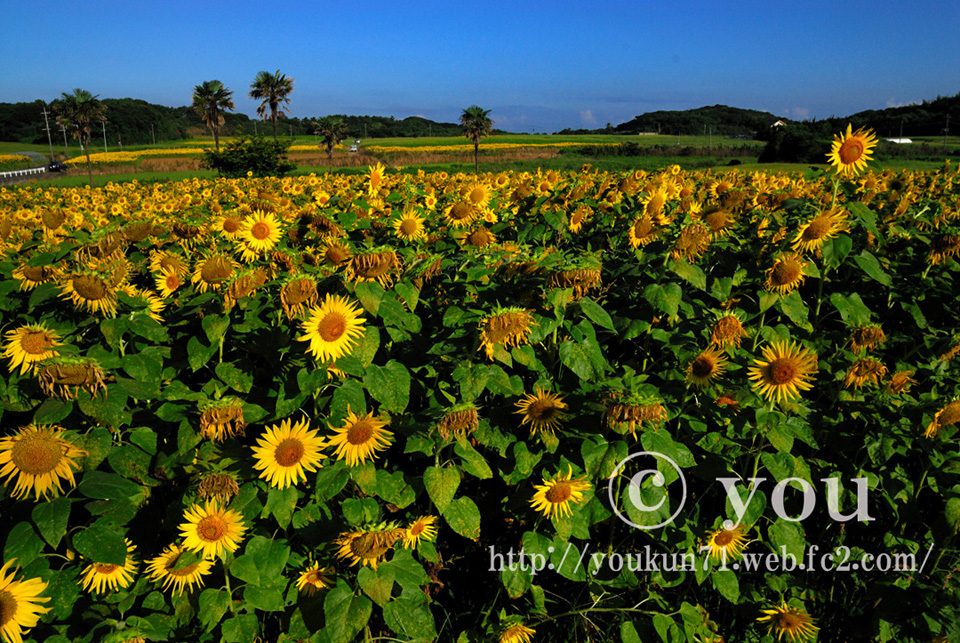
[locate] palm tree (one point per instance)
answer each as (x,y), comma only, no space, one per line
(476,124)
(274,90)
(332,129)
(78,110)
(210,99)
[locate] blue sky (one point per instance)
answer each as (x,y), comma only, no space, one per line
(538,66)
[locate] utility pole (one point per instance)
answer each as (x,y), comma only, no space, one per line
(103,125)
(46,122)
(946,130)
(66,148)
(153,134)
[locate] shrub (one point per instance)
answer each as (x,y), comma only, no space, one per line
(257,155)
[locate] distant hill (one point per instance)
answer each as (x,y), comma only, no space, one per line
(137,122)
(721,120)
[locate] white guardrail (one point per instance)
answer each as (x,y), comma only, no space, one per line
(14,175)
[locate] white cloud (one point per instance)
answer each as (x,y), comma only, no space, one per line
(587,117)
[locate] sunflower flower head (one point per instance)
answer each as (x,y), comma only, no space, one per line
(29,345)
(785,370)
(360,438)
(103,577)
(333,328)
(39,458)
(850,152)
(314,579)
(210,530)
(505,327)
(20,604)
(542,410)
(286,451)
(555,496)
(793,622)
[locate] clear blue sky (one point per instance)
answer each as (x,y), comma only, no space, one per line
(543,65)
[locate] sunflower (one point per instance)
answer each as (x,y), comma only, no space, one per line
(212,271)
(285,451)
(900,382)
(720,221)
(103,577)
(32,276)
(168,281)
(706,367)
(423,528)
(785,370)
(221,419)
(542,410)
(210,530)
(314,578)
(332,328)
(866,338)
(727,330)
(864,371)
(377,264)
(40,459)
(460,214)
(792,621)
(259,233)
(505,327)
(375,179)
(228,225)
(159,260)
(826,225)
(410,227)
(850,152)
(726,544)
(90,291)
(945,417)
(554,497)
(693,241)
(367,548)
(944,247)
(336,252)
(20,601)
(517,633)
(624,416)
(581,215)
(220,486)
(298,294)
(476,194)
(175,570)
(65,375)
(459,421)
(29,345)
(786,274)
(654,202)
(642,232)
(359,439)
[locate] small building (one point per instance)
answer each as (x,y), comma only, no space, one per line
(778,123)
(899,141)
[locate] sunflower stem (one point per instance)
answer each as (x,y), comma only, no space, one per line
(226,582)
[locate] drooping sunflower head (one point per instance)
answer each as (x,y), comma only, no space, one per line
(793,622)
(786,369)
(460,214)
(221,419)
(374,264)
(29,345)
(850,152)
(693,241)
(314,579)
(505,327)
(706,368)
(866,338)
(900,382)
(368,547)
(555,496)
(944,418)
(333,328)
(178,569)
(944,248)
(39,458)
(865,371)
(210,530)
(360,438)
(65,375)
(32,276)
(543,410)
(218,485)
(298,293)
(103,577)
(517,633)
(212,271)
(727,330)
(786,273)
(286,452)
(625,413)
(91,291)
(479,238)
(459,421)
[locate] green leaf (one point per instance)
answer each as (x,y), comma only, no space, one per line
(867,217)
(793,307)
(410,616)
(233,377)
(628,633)
(473,462)
(215,327)
(665,298)
(281,503)
(346,614)
(377,584)
(109,486)
(23,543)
(596,314)
(370,294)
(145,438)
(268,599)
(836,250)
(214,603)
(952,513)
(575,358)
(600,456)
(409,294)
(102,542)
(406,571)
(851,308)
(394,489)
(389,385)
(463,516)
(441,485)
(52,411)
(725,582)
(51,519)
(241,628)
(690,273)
(472,378)
(349,395)
(870,265)
(789,535)
(198,353)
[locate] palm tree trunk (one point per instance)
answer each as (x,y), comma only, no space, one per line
(476,157)
(89,167)
(274,115)
(216,138)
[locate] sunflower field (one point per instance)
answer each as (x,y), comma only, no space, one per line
(402,407)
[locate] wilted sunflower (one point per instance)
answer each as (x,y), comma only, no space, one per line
(945,417)
(333,328)
(211,530)
(29,345)
(786,274)
(794,622)
(866,338)
(460,214)
(360,438)
(623,415)
(785,370)
(479,238)
(220,486)
(286,451)
(64,376)
(900,382)
(20,601)
(221,419)
(459,421)
(423,528)
(864,371)
(727,544)
(945,247)
(298,293)
(826,225)
(727,330)
(212,271)
(367,548)
(376,264)
(517,633)
(103,577)
(542,410)
(40,459)
(90,291)
(582,280)
(410,227)
(505,327)
(174,568)
(706,367)
(32,276)
(850,152)
(314,578)
(336,252)
(554,497)
(693,241)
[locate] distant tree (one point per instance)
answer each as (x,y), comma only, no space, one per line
(210,100)
(332,129)
(258,156)
(475,123)
(78,111)
(274,91)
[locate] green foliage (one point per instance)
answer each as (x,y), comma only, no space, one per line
(254,156)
